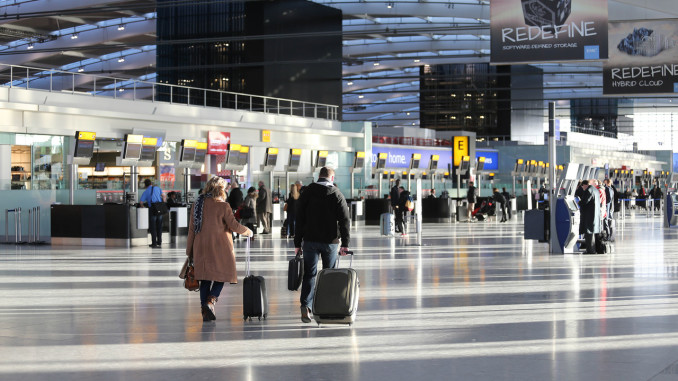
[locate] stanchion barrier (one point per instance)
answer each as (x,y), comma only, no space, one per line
(18,238)
(34,226)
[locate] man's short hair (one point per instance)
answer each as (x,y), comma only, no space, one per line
(326,172)
(397,182)
(585,182)
(148,182)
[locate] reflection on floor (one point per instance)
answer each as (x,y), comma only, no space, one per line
(476,302)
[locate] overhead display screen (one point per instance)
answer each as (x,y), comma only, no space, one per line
(132,147)
(295,158)
(84,144)
(322,159)
(188,150)
(148,147)
(244,152)
(200,152)
(271,157)
(233,151)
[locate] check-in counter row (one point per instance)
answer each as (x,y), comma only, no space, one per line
(433,210)
(112,225)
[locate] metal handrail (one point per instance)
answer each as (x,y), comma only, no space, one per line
(67,81)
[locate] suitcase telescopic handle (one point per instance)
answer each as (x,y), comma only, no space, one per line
(350,264)
(247,255)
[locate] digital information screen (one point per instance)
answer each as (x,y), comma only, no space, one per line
(414,161)
(433,164)
(244,151)
(148,146)
(132,148)
(233,151)
(200,152)
(99,167)
(322,159)
(188,150)
(84,144)
(359,161)
(295,158)
(271,156)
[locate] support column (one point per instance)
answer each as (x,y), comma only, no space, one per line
(73,184)
(552,191)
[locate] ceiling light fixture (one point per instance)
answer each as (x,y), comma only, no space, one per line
(81,69)
(376,64)
(417,60)
(350,83)
(121,27)
(74,36)
(30,46)
(361,96)
(121,59)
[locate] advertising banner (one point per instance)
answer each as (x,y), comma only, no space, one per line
(491,159)
(524,31)
(643,58)
(400,157)
(217,142)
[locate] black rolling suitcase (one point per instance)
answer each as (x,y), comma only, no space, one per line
(254,298)
(295,273)
(603,246)
(335,300)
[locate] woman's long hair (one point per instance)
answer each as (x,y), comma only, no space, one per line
(294,192)
(217,187)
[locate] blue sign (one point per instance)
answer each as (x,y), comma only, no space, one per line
(591,52)
(491,159)
(400,157)
(675,163)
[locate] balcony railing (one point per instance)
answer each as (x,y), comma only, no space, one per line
(118,88)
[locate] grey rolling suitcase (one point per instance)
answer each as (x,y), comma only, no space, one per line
(387,224)
(254,297)
(335,299)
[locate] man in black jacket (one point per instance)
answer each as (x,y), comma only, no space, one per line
(323,223)
(235,197)
(507,197)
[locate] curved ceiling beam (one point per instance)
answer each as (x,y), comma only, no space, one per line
(393,48)
(399,64)
(412,9)
(89,39)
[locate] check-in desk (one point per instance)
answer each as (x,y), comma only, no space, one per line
(112,225)
(436,210)
(178,222)
(374,208)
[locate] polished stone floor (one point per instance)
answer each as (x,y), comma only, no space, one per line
(475,302)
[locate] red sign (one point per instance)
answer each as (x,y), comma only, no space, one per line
(217,142)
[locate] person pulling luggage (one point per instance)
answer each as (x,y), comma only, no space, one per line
(323,223)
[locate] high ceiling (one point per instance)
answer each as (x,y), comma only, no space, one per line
(385,43)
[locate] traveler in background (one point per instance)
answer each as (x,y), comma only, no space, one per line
(248,214)
(609,197)
(264,208)
(656,194)
(401,211)
(152,195)
(499,199)
(210,243)
(291,208)
(471,198)
(323,224)
(300,186)
(173,199)
(507,197)
(589,223)
(394,195)
(235,196)
(431,195)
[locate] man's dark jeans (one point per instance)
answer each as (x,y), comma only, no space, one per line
(311,251)
(155,226)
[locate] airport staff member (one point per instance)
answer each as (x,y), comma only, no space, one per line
(153,195)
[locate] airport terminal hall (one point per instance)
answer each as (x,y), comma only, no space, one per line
(361,190)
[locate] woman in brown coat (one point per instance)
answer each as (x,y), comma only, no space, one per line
(210,243)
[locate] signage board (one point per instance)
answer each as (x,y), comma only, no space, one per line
(460,148)
(643,58)
(523,31)
(395,157)
(491,159)
(217,142)
(266,136)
